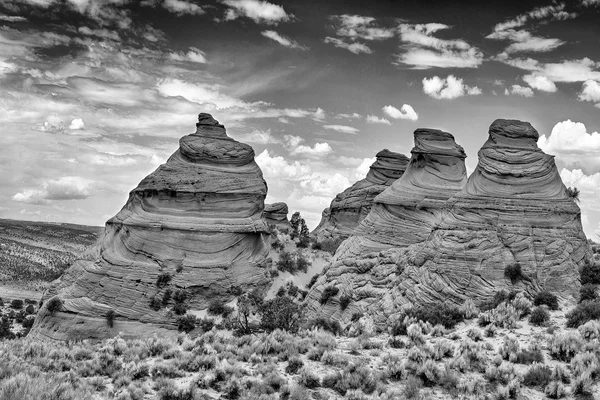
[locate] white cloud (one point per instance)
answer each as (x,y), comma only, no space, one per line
(589,186)
(327,186)
(257,10)
(66,188)
(448,88)
(540,82)
(278,167)
(354,47)
(422,50)
(349,116)
(519,90)
(198,93)
(341,128)
(573,146)
(77,124)
(181,7)
(405,112)
(282,40)
(319,115)
(11,18)
(258,136)
(101,33)
(555,12)
(590,91)
(524,41)
(360,27)
(193,55)
(373,119)
(590,3)
(565,71)
(363,168)
(319,149)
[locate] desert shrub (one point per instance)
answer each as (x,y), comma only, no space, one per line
(537,375)
(180,296)
(583,313)
(503,373)
(352,377)
(504,315)
(328,292)
(166,297)
(475,334)
(415,334)
(344,301)
(590,273)
(302,263)
(216,307)
(294,364)
(441,313)
(286,262)
(331,245)
(555,390)
(539,316)
(30,309)
(546,298)
(564,346)
(585,363)
(180,309)
(110,318)
(16,304)
(155,304)
(490,330)
(54,305)
(500,297)
(513,272)
(588,292)
(509,349)
(590,330)
(469,309)
(442,348)
(412,388)
(472,385)
(329,325)
(276,244)
(312,281)
(206,324)
(309,379)
(163,279)
(530,357)
(186,323)
(582,384)
(573,193)
(280,313)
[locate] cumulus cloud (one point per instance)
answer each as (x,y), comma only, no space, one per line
(589,187)
(293,144)
(405,112)
(422,50)
(282,40)
(519,90)
(363,168)
(53,124)
(353,47)
(448,88)
(257,10)
(360,27)
(198,93)
(181,7)
(341,128)
(327,186)
(373,119)
(573,146)
(540,82)
(277,167)
(77,124)
(193,55)
(66,188)
(590,92)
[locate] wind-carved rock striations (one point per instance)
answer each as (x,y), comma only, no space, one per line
(351,206)
(364,267)
(276,214)
(194,224)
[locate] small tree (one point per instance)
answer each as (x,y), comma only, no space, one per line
(280,313)
(573,193)
(187,322)
(295,224)
(110,318)
(303,234)
(54,305)
(246,308)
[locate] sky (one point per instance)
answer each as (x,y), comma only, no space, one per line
(95,94)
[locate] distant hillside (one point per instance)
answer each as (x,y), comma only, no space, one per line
(34,253)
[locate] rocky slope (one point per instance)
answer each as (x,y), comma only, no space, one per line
(351,206)
(195,224)
(405,213)
(276,214)
(514,212)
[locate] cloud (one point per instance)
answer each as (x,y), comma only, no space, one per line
(590,3)
(327,186)
(373,119)
(448,88)
(573,146)
(293,145)
(519,90)
(198,93)
(193,55)
(53,124)
(100,33)
(540,82)
(77,124)
(553,12)
(590,91)
(405,112)
(565,71)
(258,136)
(181,7)
(11,18)
(422,50)
(349,116)
(355,47)
(277,167)
(363,168)
(589,186)
(341,128)
(66,188)
(282,40)
(256,10)
(524,41)
(359,27)
(319,115)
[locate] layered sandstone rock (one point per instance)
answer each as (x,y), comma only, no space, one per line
(351,206)
(196,222)
(403,214)
(276,214)
(513,211)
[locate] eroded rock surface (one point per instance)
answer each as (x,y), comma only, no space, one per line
(197,219)
(351,206)
(276,214)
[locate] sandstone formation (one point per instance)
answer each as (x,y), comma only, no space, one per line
(194,224)
(276,214)
(351,206)
(513,211)
(403,214)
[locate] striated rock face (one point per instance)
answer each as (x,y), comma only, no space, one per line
(405,213)
(197,219)
(514,210)
(276,214)
(351,206)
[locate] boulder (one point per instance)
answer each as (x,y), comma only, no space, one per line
(351,206)
(276,214)
(194,225)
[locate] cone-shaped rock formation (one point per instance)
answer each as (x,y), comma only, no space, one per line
(405,213)
(195,225)
(276,214)
(351,206)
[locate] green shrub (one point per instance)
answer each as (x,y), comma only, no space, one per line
(539,316)
(513,272)
(216,307)
(573,193)
(328,292)
(180,296)
(302,263)
(110,318)
(163,279)
(30,309)
(180,309)
(546,298)
(16,304)
(538,375)
(294,364)
(280,313)
(187,323)
(206,324)
(499,298)
(590,273)
(325,324)
(54,305)
(438,314)
(286,262)
(166,297)
(583,313)
(309,379)
(331,245)
(155,304)
(344,302)
(313,280)
(588,292)
(530,357)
